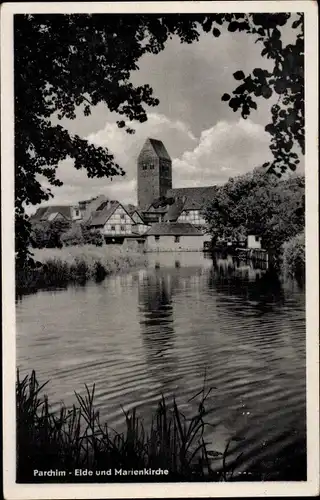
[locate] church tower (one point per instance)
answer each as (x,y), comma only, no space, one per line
(154,173)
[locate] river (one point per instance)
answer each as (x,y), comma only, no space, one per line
(166,328)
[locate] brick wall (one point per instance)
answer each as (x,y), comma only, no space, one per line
(154,176)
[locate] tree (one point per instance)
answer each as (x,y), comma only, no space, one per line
(260,204)
(67,63)
(285,80)
(80,234)
(49,234)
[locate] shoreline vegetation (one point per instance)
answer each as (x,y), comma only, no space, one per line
(59,267)
(56,268)
(293,257)
(74,439)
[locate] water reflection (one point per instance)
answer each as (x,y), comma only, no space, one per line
(157,330)
(155,293)
(233,277)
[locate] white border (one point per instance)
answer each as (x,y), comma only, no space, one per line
(151,490)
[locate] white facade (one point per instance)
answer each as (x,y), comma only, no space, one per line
(172,243)
(193,216)
(56,216)
(76,213)
(139,227)
(120,223)
(254,241)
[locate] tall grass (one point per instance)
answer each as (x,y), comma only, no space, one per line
(59,267)
(76,438)
(294,259)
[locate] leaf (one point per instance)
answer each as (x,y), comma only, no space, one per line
(266,92)
(276,34)
(280,86)
(295,24)
(259,73)
(233,26)
(225,97)
(216,32)
(253,105)
(239,75)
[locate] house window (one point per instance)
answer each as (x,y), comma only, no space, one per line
(122,216)
(157,238)
(113,228)
(257,238)
(177,239)
(122,228)
(77,212)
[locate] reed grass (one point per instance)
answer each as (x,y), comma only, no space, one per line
(76,438)
(58,267)
(293,258)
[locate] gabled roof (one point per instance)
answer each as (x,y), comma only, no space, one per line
(158,147)
(100,217)
(131,210)
(175,210)
(173,229)
(92,205)
(43,213)
(53,215)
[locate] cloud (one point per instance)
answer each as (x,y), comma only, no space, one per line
(223,151)
(175,134)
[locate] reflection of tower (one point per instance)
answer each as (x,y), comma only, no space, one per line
(154,172)
(155,293)
(156,320)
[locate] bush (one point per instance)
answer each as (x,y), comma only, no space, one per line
(49,234)
(92,237)
(74,236)
(79,235)
(294,256)
(57,268)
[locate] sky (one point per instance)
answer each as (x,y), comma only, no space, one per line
(207,141)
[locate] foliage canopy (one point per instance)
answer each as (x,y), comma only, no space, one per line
(67,63)
(258,204)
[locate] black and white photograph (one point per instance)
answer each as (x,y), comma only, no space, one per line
(160,249)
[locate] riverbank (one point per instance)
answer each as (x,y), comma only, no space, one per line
(173,447)
(75,438)
(58,267)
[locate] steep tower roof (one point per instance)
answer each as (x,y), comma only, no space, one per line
(158,148)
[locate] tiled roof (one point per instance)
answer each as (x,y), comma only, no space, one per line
(37,216)
(159,149)
(43,213)
(195,197)
(100,217)
(175,210)
(174,229)
(92,206)
(179,199)
(130,208)
(131,212)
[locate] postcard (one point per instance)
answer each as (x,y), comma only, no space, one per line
(160,249)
